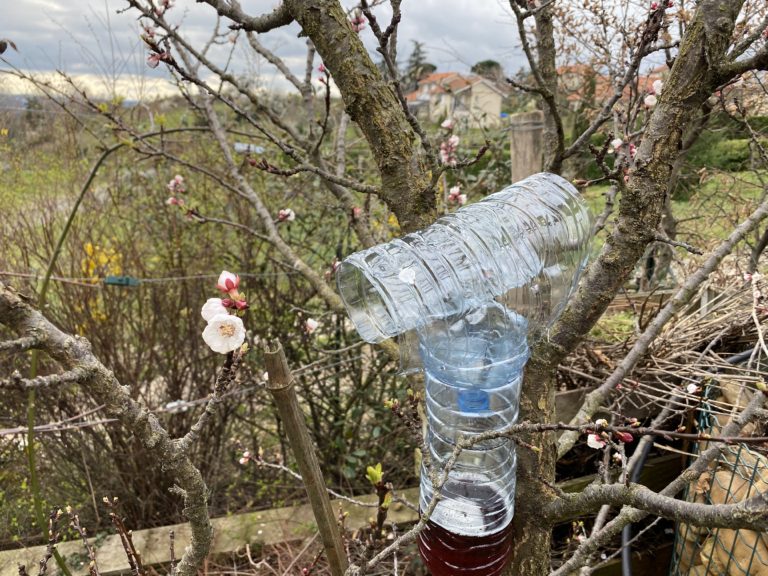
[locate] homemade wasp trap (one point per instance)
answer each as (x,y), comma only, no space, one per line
(739,473)
(476,287)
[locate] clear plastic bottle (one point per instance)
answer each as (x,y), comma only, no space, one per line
(524,246)
(473,368)
(476,286)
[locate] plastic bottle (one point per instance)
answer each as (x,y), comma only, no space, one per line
(524,246)
(473,369)
(475,286)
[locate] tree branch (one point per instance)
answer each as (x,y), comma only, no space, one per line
(77,374)
(225,377)
(19,345)
(373,104)
(641,205)
(629,515)
(280,16)
(751,514)
(75,353)
(730,70)
(595,399)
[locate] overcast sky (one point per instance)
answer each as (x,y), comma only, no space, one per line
(52,34)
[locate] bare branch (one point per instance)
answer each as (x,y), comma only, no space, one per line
(731,70)
(223,380)
(383,49)
(280,16)
(597,397)
(73,352)
(629,515)
(77,374)
(751,514)
(659,237)
(19,345)
(649,36)
(278,63)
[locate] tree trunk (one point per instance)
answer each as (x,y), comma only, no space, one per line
(692,80)
(372,103)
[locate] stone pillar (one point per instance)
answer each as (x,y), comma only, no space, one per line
(526,143)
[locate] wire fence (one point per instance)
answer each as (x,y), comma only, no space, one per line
(738,474)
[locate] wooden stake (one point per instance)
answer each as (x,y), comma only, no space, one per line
(280,385)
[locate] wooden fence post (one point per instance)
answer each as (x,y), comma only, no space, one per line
(526,143)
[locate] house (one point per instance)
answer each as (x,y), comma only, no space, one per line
(584,86)
(472,101)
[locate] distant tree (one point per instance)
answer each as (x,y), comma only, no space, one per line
(417,66)
(488,69)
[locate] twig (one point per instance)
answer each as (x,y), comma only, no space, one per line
(19,345)
(74,522)
(659,237)
(597,397)
(223,380)
(77,374)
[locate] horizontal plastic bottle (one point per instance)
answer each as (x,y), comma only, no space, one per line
(524,246)
(475,286)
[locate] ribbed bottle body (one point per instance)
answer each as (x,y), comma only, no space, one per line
(473,369)
(474,287)
(524,246)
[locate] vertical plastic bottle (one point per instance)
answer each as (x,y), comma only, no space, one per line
(473,369)
(475,286)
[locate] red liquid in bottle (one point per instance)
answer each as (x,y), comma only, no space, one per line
(449,554)
(483,551)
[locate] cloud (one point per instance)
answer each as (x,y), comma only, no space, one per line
(99,42)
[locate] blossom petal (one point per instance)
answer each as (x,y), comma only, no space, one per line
(234,279)
(213,307)
(594,441)
(224,333)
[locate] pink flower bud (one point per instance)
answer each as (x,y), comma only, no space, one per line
(241,305)
(654,5)
(229,283)
(625,437)
(286,215)
(321,68)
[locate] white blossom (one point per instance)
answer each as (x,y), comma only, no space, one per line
(595,441)
(650,100)
(224,333)
(311,325)
(212,307)
(657,86)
